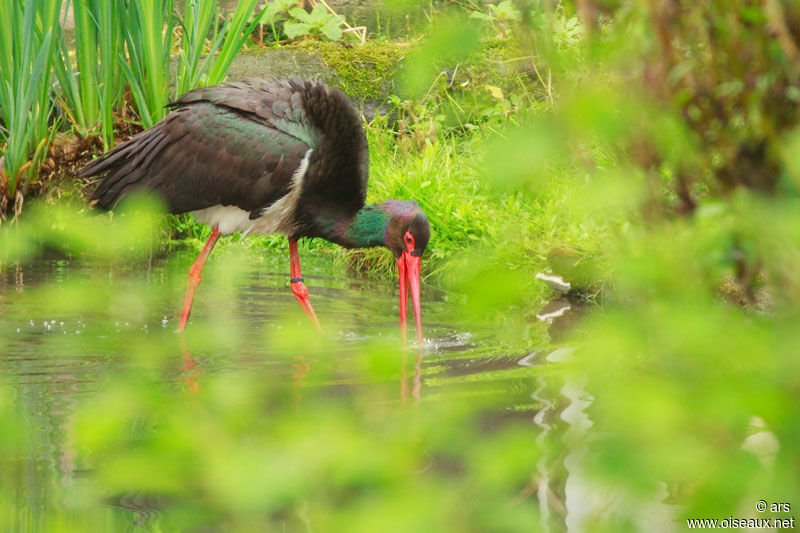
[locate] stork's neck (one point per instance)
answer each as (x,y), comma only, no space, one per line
(372,225)
(364,230)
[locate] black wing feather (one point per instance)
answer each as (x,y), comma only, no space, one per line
(239,144)
(211,149)
(335,185)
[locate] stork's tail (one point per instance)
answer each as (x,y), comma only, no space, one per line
(124,167)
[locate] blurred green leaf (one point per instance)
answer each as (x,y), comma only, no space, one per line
(451,41)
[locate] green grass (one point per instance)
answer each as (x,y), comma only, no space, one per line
(482,238)
(478,228)
(474,222)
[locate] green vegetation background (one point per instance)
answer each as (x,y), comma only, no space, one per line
(647,151)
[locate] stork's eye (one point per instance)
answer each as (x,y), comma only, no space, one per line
(409,241)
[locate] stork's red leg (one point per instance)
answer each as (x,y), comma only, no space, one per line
(298,287)
(195,277)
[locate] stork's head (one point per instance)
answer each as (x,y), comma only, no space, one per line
(406,235)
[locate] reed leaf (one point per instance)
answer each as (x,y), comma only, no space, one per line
(26,48)
(199,26)
(89,89)
(236,31)
(112,80)
(147,29)
(78,84)
(199,66)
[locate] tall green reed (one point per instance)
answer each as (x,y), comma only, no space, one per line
(111,77)
(237,31)
(91,88)
(199,26)
(147,29)
(26,45)
(204,56)
(206,51)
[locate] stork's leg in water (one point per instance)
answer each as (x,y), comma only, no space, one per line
(298,287)
(195,277)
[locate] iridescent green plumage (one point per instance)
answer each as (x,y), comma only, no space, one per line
(368,226)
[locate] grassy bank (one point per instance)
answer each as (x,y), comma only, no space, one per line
(436,147)
(519,228)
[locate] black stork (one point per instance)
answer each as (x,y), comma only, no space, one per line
(258,156)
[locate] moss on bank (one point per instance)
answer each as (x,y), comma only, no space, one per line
(367,72)
(373,71)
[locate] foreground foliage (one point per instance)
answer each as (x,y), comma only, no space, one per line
(680,116)
(645,151)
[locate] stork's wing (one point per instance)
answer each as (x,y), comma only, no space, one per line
(320,116)
(228,145)
(279,103)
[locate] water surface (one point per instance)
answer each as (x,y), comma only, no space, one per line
(119,422)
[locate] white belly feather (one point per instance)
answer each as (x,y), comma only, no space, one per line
(279,217)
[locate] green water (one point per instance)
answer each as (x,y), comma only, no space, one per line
(251,420)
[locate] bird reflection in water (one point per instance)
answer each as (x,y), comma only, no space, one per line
(191,368)
(192,372)
(416,379)
(301,367)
